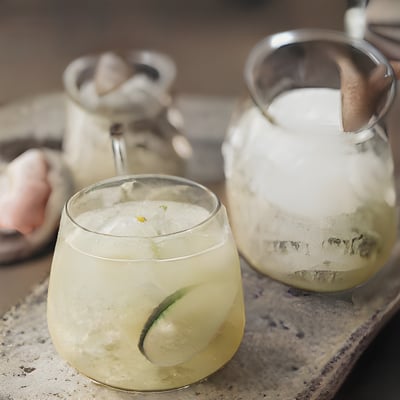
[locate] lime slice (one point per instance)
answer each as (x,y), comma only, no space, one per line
(185,322)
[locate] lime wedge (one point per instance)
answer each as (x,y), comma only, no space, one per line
(185,322)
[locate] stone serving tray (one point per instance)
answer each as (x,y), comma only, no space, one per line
(297,345)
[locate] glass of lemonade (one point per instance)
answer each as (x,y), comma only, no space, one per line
(145,289)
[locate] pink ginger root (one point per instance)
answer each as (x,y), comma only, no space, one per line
(24,192)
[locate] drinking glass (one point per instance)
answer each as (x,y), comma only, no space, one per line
(145,288)
(308,166)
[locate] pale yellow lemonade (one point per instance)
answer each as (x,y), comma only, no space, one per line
(152,300)
(321,203)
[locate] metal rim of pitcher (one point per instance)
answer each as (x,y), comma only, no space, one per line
(275,41)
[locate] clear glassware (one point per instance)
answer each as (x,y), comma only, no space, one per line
(312,204)
(145,288)
(143,105)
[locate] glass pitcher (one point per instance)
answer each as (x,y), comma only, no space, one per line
(142,105)
(309,170)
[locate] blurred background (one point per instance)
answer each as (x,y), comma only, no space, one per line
(208,39)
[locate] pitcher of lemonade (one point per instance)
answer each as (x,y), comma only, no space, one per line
(309,169)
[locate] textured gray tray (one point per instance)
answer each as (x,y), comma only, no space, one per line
(297,345)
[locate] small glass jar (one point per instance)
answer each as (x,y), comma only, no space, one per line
(311,205)
(152,127)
